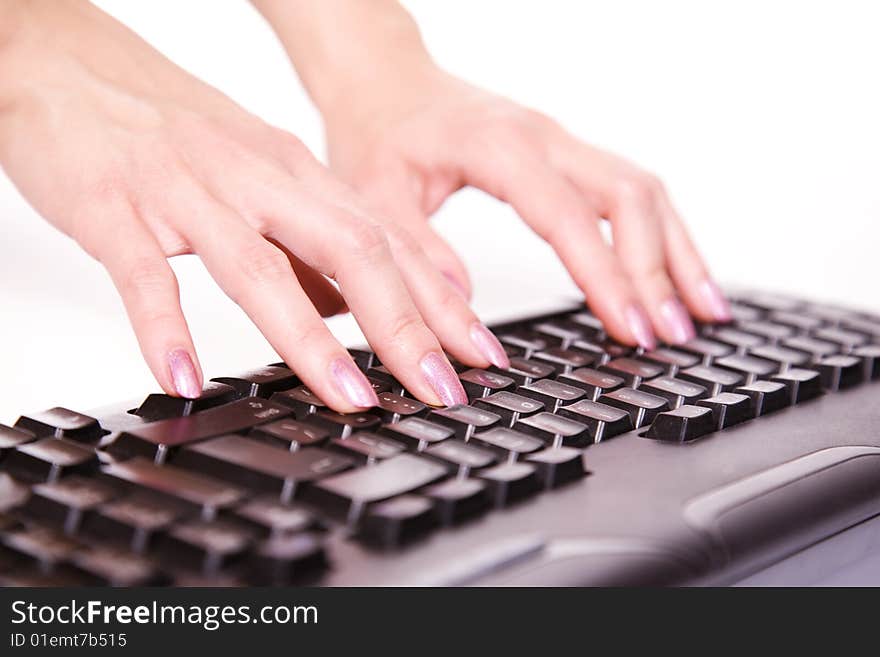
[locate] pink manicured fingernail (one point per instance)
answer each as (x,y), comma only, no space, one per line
(443,379)
(456,284)
(677,320)
(353,384)
(488,345)
(640,327)
(716,301)
(183,374)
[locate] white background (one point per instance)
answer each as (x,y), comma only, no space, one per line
(760,116)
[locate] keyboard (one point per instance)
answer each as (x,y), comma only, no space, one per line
(586,461)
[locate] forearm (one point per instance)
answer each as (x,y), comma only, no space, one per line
(341,48)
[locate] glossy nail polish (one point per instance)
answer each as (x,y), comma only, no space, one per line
(677,321)
(715,300)
(353,384)
(488,345)
(638,324)
(443,379)
(183,374)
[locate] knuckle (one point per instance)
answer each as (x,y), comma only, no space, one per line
(639,188)
(365,238)
(401,241)
(261,263)
(405,327)
(312,333)
(147,277)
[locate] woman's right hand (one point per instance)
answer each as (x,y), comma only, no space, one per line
(139,161)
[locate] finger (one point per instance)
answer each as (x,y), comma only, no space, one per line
(321,292)
(149,290)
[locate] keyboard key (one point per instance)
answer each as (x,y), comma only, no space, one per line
(739,340)
(342,425)
(350,492)
(261,382)
(772,302)
(632,371)
(49,459)
(393,408)
(565,360)
(550,393)
(396,521)
(870,355)
(675,391)
(641,406)
(799,321)
(367,448)
(765,396)
(815,348)
(13,493)
(741,313)
(61,423)
(383,374)
(860,325)
(160,406)
(683,424)
(269,517)
(671,360)
(64,502)
(457,499)
(602,421)
(589,323)
(288,559)
(464,420)
(728,409)
(558,335)
(480,383)
(509,406)
(784,357)
(802,384)
(363,359)
(301,400)
(108,566)
(714,379)
(198,492)
(46,547)
(291,434)
(134,521)
(593,382)
(749,367)
(524,371)
(11,438)
(843,337)
(523,343)
(556,466)
(416,432)
(461,455)
(258,466)
(841,372)
(555,430)
(507,443)
(706,350)
(772,332)
(510,482)
(205,546)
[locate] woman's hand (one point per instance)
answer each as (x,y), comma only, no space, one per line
(138,161)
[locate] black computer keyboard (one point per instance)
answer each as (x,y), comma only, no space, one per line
(246,484)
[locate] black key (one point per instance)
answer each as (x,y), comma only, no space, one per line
(706,350)
(507,443)
(714,379)
(160,406)
(11,438)
(269,517)
(398,520)
(556,466)
(739,340)
(841,372)
(302,400)
(676,391)
(205,546)
(784,357)
(464,420)
(108,566)
(509,406)
(863,325)
(197,492)
(555,430)
(565,360)
(156,440)
(65,502)
(383,374)
(368,448)
(683,424)
(457,499)
(134,521)
(378,386)
(843,337)
(416,432)
(342,425)
(287,559)
(741,313)
(799,321)
(830,314)
(524,343)
(45,546)
(509,482)
(641,406)
(593,382)
(815,348)
(802,384)
(350,492)
(461,455)
(558,335)
(261,382)
(551,393)
(728,409)
(870,355)
(765,396)
(589,322)
(363,359)
(480,383)
(49,459)
(524,371)
(258,466)
(749,367)
(671,360)
(61,423)
(772,332)
(291,434)
(393,408)
(770,302)
(602,421)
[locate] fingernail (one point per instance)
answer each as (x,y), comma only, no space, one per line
(183,374)
(443,379)
(488,345)
(640,327)
(716,301)
(456,284)
(353,384)
(677,320)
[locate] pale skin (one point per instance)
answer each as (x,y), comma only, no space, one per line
(138,161)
